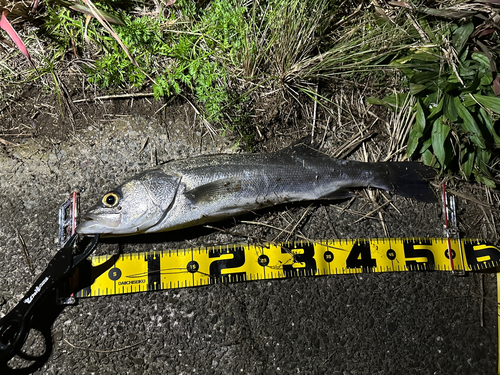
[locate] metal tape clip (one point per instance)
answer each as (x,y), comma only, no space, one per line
(68,218)
(450,229)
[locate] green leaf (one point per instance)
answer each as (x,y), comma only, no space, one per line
(376,101)
(472,87)
(422,54)
(461,36)
(442,82)
(489,183)
(486,80)
(436,110)
(416,88)
(430,31)
(431,100)
(481,58)
(426,144)
(482,161)
(490,102)
(423,77)
(413,139)
(464,55)
(438,136)
(453,78)
(450,110)
(488,122)
(88,11)
(469,102)
(467,71)
(469,125)
(420,122)
(426,56)
(467,162)
(482,179)
(429,159)
(393,101)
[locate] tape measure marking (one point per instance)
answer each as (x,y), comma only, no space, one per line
(158,270)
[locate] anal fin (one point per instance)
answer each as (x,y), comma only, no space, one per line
(338,194)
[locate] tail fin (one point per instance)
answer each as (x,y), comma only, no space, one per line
(408,179)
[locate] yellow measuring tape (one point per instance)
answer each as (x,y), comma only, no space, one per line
(158,270)
(168,269)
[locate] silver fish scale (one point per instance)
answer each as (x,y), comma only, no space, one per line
(215,187)
(189,192)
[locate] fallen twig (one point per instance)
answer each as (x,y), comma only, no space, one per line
(367,216)
(7,143)
(105,351)
(352,143)
(111,97)
(261,241)
(467,197)
(25,251)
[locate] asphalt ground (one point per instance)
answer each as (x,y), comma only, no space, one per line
(394,323)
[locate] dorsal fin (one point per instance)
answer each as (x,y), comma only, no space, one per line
(301,152)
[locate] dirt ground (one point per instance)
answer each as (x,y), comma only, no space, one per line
(410,323)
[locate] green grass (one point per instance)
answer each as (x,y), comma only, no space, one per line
(189,51)
(226,52)
(224,56)
(450,73)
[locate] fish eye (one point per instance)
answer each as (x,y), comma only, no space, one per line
(110,199)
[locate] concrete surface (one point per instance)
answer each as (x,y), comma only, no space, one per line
(407,323)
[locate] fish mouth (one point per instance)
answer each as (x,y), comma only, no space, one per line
(97,224)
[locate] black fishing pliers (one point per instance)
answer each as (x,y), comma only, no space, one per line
(16,325)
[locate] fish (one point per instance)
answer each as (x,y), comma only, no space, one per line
(208,188)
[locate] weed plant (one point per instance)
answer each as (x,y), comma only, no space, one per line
(184,50)
(224,54)
(451,73)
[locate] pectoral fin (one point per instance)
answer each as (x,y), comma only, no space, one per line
(214,190)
